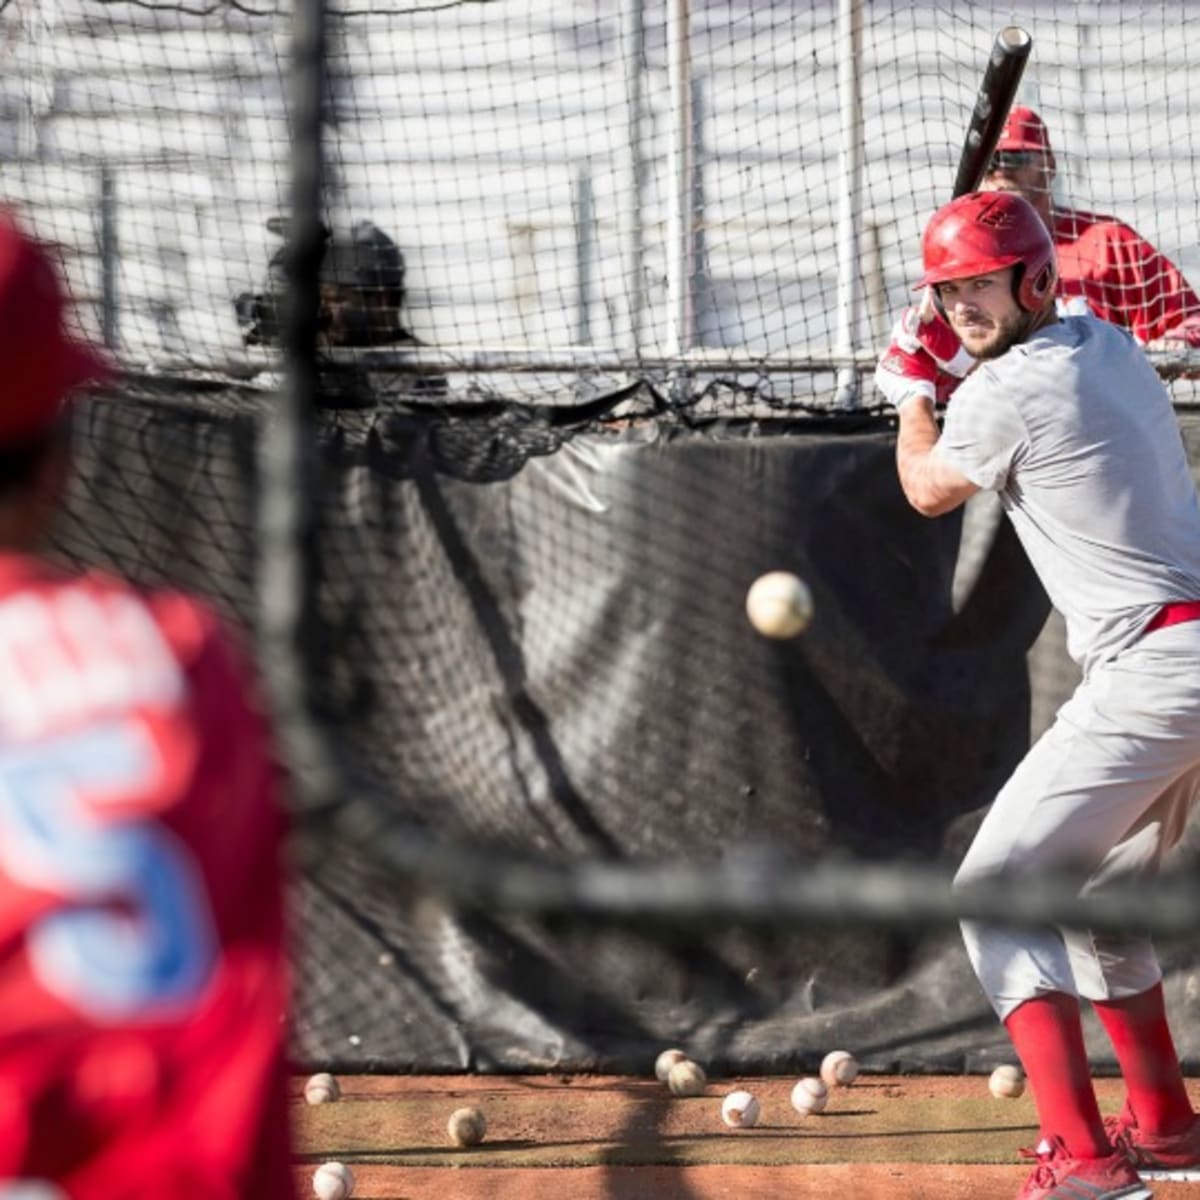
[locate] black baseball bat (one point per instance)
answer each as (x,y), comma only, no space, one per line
(1006,64)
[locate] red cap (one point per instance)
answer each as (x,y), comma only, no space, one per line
(1025,130)
(39,361)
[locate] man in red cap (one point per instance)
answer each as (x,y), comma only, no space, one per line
(1105,266)
(143,982)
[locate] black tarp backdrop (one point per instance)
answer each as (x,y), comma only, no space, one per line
(534,638)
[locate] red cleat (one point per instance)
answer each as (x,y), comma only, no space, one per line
(1060,1176)
(1164,1156)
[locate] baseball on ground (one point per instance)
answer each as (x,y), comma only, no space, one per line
(665,1061)
(839,1068)
(809,1096)
(686,1079)
(779,604)
(739,1110)
(466,1127)
(333,1181)
(321,1088)
(1007,1082)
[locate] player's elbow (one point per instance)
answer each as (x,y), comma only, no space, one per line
(929,505)
(925,507)
(917,492)
(928,497)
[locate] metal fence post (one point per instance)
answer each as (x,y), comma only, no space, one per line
(109,253)
(681,244)
(633,58)
(850,205)
(585,228)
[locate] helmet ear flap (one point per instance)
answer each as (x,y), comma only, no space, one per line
(1043,283)
(1031,289)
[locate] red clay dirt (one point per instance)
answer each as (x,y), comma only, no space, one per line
(623,1138)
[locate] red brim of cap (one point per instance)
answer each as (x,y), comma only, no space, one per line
(932,279)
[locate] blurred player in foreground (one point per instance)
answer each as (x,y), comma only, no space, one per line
(1066,419)
(143,987)
(1104,265)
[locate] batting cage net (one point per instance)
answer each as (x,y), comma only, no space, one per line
(603,189)
(600,289)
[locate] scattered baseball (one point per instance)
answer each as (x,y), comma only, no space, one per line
(779,604)
(739,1110)
(809,1096)
(839,1068)
(333,1181)
(321,1088)
(466,1127)
(687,1079)
(665,1061)
(1007,1082)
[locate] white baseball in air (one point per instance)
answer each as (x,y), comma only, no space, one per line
(839,1068)
(739,1110)
(321,1088)
(809,1096)
(686,1079)
(1007,1082)
(332,1181)
(779,604)
(665,1061)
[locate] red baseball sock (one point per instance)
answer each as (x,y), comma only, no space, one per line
(1048,1036)
(1137,1027)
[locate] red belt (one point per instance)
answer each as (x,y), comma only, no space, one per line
(1174,614)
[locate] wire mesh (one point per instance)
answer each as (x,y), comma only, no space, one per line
(520,158)
(535,511)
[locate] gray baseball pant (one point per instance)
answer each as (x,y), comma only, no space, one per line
(1105,791)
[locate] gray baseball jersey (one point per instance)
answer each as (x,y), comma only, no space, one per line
(1076,432)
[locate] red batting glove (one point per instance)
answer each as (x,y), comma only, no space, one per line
(902,374)
(922,327)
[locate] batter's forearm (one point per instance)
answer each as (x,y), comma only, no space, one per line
(930,486)
(917,437)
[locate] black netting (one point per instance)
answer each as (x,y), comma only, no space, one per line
(531,199)
(595,351)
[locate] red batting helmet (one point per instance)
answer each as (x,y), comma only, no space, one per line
(988,231)
(41,363)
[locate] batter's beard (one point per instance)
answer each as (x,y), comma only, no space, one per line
(1009,333)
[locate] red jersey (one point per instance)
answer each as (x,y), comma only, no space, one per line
(143,981)
(1119,275)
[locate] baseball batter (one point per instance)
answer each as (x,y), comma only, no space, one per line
(1067,421)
